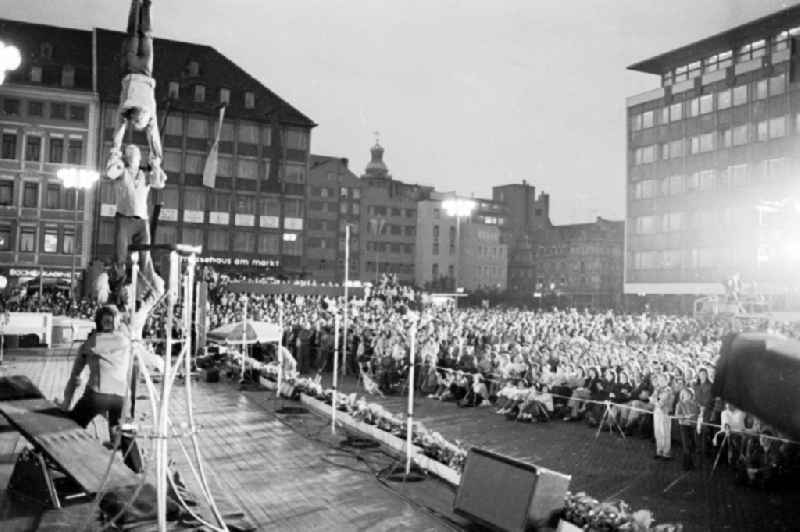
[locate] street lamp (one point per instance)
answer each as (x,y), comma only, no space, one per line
(10,59)
(458,207)
(77,179)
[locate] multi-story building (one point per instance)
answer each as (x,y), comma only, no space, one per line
(467,253)
(574,264)
(333,201)
(706,149)
(525,212)
(48,121)
(253,220)
(388,221)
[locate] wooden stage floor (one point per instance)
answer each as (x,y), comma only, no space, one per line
(285,473)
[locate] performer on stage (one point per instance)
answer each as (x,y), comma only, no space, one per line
(130,223)
(137,102)
(107,353)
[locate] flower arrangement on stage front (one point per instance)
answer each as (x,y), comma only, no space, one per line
(590,514)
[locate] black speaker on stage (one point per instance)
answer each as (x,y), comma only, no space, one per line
(502,493)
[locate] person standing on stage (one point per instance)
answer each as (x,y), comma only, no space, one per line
(107,353)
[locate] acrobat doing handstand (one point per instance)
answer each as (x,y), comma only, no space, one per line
(131,180)
(137,101)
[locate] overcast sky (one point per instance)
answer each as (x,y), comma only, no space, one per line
(465,94)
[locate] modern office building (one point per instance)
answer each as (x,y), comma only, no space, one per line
(253,219)
(49,121)
(388,221)
(707,149)
(333,201)
(467,252)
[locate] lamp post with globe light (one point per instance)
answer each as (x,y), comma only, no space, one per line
(458,207)
(10,59)
(76,179)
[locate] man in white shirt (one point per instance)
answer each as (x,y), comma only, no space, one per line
(130,223)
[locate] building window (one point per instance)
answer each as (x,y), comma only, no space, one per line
(6,192)
(106,235)
(77,113)
(36,74)
(30,195)
(11,106)
(68,241)
(56,150)
(296,139)
(192,236)
(249,100)
(5,238)
(9,146)
(761,89)
(706,180)
(199,93)
(269,244)
(740,135)
(750,51)
(197,128)
(68,76)
(35,108)
(726,138)
(218,240)
(636,122)
(675,111)
(740,95)
(777,85)
(244,242)
(174,91)
(193,68)
(762,131)
(780,41)
(647,119)
(694,106)
(33,148)
(777,127)
(52,199)
(675,185)
(75,151)
(27,239)
(724,99)
(224,96)
(50,240)
(706,103)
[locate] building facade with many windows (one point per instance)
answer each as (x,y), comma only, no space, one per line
(48,121)
(469,253)
(254,218)
(333,201)
(707,149)
(388,221)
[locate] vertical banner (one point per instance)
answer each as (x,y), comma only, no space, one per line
(212,161)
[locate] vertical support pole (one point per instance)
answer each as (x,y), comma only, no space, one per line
(410,416)
(335,368)
(74,246)
(130,398)
(163,417)
(244,338)
(346,299)
(279,353)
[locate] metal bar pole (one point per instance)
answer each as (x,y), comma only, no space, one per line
(74,244)
(163,417)
(335,369)
(346,300)
(410,417)
(279,356)
(244,338)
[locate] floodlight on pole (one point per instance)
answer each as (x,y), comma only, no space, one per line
(77,179)
(458,207)
(10,59)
